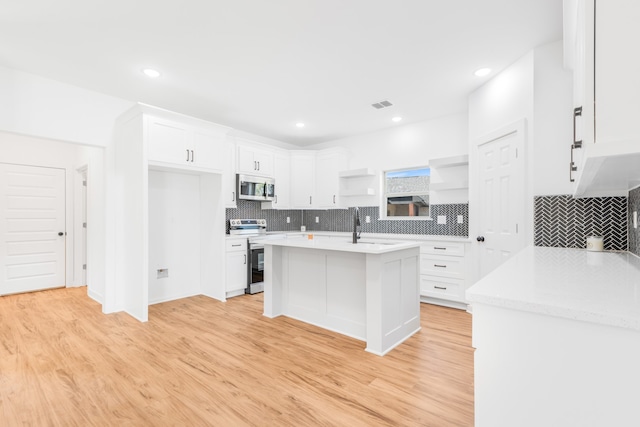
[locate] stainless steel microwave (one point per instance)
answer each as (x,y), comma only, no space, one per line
(255,187)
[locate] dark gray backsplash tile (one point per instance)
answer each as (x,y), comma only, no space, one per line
(634,233)
(341,220)
(562,221)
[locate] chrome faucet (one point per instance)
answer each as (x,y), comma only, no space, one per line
(356,224)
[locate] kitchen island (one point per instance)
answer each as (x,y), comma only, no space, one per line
(369,291)
(557,339)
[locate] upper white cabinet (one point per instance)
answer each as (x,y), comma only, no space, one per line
(303,179)
(255,161)
(229,194)
(185,145)
(329,163)
(605,152)
(315,182)
(281,174)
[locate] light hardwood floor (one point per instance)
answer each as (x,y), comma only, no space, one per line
(200,362)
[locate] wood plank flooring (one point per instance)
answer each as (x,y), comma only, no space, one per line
(200,362)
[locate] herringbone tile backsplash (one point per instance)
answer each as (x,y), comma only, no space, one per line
(634,233)
(342,220)
(562,221)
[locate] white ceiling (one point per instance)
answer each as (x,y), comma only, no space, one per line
(261,66)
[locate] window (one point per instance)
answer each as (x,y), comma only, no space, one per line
(406,193)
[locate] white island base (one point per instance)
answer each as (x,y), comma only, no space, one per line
(366,291)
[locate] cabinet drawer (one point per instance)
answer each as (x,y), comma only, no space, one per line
(442,287)
(445,266)
(236,245)
(443,248)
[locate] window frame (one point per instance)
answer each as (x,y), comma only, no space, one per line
(384,195)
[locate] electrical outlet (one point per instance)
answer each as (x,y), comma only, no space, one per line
(460,219)
(367,219)
(288,220)
(163,273)
(317,219)
(442,219)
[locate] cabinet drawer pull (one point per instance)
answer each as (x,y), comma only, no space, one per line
(439,249)
(576,112)
(440,265)
(239,244)
(440,287)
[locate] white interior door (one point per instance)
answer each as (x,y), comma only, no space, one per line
(501,180)
(32,228)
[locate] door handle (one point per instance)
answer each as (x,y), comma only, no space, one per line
(276,199)
(255,165)
(60,233)
(576,112)
(187,155)
(245,259)
(334,199)
(310,199)
(258,165)
(191,156)
(233,196)
(480,238)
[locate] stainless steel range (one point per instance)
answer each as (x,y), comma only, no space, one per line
(255,230)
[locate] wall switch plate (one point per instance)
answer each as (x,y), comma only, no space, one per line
(442,219)
(367,219)
(303,228)
(163,273)
(460,219)
(635,219)
(317,220)
(288,220)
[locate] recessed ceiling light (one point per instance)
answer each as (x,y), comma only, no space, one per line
(299,125)
(482,72)
(150,72)
(396,119)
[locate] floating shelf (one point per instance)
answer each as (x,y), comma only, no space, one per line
(440,186)
(358,192)
(357,173)
(449,162)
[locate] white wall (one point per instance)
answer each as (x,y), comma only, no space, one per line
(406,145)
(36,106)
(174,235)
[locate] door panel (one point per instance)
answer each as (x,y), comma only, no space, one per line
(501,169)
(32,213)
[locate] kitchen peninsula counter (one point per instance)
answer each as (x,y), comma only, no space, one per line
(557,339)
(369,290)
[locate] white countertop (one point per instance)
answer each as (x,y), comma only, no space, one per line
(367,246)
(375,236)
(597,287)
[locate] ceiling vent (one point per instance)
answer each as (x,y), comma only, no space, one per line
(381,104)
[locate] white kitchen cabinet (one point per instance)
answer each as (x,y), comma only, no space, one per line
(185,145)
(605,153)
(229,190)
(144,139)
(443,273)
(236,266)
(329,163)
(315,178)
(303,179)
(281,174)
(255,161)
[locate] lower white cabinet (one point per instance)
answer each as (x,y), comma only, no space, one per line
(443,273)
(236,266)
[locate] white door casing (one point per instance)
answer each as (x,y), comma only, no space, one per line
(32,217)
(501,183)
